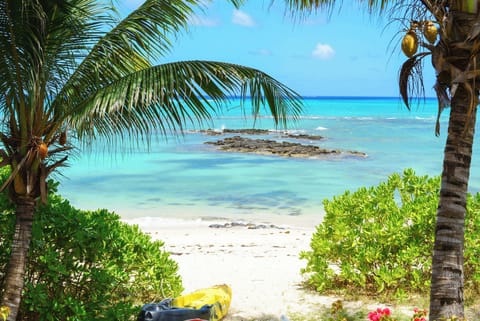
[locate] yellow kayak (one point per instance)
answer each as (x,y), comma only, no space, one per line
(219,296)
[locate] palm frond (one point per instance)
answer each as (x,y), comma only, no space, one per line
(128,47)
(40,45)
(411,79)
(72,30)
(165,97)
(308,6)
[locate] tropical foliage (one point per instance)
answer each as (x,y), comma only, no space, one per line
(379,240)
(72,72)
(106,268)
(455,59)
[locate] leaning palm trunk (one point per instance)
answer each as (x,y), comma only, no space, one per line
(455,60)
(16,267)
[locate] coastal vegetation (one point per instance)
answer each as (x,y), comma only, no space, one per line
(453,49)
(73,72)
(106,268)
(66,82)
(378,241)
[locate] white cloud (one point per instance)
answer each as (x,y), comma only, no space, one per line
(323,51)
(202,22)
(241,18)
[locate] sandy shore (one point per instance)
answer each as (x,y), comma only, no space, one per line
(260,262)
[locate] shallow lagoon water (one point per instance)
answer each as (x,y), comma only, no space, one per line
(183,177)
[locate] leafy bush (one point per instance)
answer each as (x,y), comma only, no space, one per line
(471,251)
(380,239)
(88,265)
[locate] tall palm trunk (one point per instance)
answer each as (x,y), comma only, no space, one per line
(14,281)
(446,296)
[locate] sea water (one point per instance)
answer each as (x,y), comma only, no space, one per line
(181,176)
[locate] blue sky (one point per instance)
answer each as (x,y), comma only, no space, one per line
(346,53)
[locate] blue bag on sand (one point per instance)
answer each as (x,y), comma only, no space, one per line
(164,311)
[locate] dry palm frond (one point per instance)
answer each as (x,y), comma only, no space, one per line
(15,171)
(443,102)
(411,78)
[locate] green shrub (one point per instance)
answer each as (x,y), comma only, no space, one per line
(88,265)
(380,239)
(471,252)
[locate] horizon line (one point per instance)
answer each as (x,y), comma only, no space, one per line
(344,97)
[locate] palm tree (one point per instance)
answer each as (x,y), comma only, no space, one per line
(71,72)
(454,56)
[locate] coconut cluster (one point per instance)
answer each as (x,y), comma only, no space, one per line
(410,41)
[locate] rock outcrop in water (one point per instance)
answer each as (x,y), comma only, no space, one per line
(251,131)
(250,226)
(272,147)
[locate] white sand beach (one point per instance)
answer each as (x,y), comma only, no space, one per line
(260,262)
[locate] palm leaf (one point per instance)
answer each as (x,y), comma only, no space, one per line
(167,96)
(411,79)
(307,6)
(144,35)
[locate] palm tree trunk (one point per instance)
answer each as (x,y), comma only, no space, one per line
(446,293)
(14,280)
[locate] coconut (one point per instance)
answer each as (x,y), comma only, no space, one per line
(410,43)
(430,32)
(42,150)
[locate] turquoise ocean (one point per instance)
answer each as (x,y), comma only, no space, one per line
(184,178)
